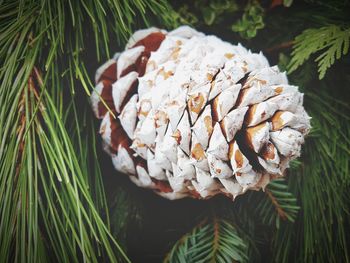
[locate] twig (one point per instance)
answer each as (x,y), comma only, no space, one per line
(280,211)
(283,45)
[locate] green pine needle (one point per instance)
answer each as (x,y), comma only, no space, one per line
(321,184)
(210,241)
(279,204)
(51,190)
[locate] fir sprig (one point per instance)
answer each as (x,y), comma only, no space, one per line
(210,241)
(278,205)
(330,42)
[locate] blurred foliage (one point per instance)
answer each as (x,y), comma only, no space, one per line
(251,21)
(244,17)
(213,10)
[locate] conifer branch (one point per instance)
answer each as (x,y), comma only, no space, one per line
(51,193)
(330,42)
(278,204)
(210,241)
(274,201)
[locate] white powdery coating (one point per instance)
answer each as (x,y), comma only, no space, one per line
(193,111)
(204,184)
(266,77)
(127,58)
(255,94)
(248,180)
(203,127)
(177,183)
(105,129)
(123,162)
(147,132)
(269,167)
(103,67)
(137,145)
(183,168)
(288,141)
(183,133)
(143,179)
(232,122)
(121,87)
(95,98)
(141,34)
(258,136)
(161,159)
(198,155)
(185,32)
(218,145)
(239,163)
(231,186)
(175,109)
(153,168)
(128,117)
(197,99)
(219,168)
(169,146)
(261,112)
(224,102)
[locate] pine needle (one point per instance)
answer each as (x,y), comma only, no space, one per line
(51,190)
(278,204)
(210,241)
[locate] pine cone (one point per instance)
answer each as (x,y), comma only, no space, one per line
(197,116)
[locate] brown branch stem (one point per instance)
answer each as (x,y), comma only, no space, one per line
(279,210)
(278,47)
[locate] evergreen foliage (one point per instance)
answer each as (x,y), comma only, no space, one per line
(330,42)
(51,190)
(210,241)
(281,204)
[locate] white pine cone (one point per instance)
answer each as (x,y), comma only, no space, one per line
(197,116)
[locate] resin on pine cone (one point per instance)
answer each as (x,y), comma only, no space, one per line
(197,116)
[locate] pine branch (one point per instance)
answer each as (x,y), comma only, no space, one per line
(210,241)
(50,192)
(330,42)
(321,184)
(279,204)
(280,47)
(278,208)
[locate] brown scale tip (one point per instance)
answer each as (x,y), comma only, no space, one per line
(267,152)
(198,152)
(195,103)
